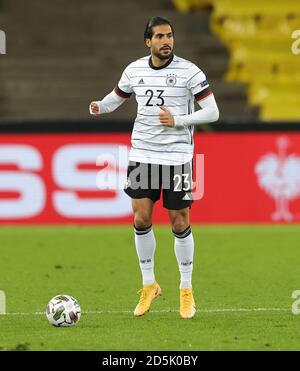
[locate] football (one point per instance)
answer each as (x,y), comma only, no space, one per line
(63,311)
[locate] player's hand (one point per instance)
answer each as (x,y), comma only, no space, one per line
(95,108)
(166,118)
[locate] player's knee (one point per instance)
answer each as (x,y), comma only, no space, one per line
(180,221)
(142,221)
(179,225)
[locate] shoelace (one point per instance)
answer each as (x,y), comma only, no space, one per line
(143,293)
(186,300)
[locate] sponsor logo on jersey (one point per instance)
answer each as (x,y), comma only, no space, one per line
(141,81)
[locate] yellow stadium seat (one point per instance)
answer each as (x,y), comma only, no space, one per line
(274,110)
(279,24)
(228,28)
(247,72)
(185,6)
(267,43)
(262,55)
(240,8)
(260,92)
(258,36)
(240,28)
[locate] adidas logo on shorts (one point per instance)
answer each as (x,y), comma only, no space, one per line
(187,197)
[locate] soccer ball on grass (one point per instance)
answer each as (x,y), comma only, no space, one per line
(63,311)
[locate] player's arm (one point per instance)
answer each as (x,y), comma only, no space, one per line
(114,99)
(108,104)
(209,112)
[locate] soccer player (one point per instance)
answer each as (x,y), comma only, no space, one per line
(161,154)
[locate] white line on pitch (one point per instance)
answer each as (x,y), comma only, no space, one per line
(213,310)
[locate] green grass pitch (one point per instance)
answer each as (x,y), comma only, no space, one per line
(243,280)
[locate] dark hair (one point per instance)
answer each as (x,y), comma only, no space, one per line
(155,21)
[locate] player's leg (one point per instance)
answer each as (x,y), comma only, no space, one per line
(145,247)
(183,245)
(142,204)
(184,252)
(144,237)
(178,200)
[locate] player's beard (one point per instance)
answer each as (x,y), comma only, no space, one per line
(162,56)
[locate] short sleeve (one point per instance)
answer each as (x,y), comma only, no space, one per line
(198,84)
(124,89)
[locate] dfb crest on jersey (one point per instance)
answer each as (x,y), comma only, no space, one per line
(171,80)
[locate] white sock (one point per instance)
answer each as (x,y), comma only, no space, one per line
(145,247)
(184,251)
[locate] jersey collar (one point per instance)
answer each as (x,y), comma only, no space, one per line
(163,66)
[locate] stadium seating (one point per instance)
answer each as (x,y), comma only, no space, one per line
(188,5)
(67,56)
(259,39)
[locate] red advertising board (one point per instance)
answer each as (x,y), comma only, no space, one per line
(54,178)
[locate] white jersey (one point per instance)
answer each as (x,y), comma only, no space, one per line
(174,86)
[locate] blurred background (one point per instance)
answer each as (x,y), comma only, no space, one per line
(65,239)
(62,54)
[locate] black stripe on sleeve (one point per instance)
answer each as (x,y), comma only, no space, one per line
(122,93)
(203,93)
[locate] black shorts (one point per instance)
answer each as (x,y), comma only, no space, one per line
(148,180)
